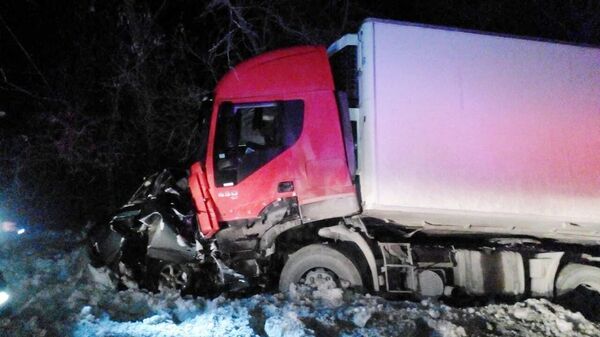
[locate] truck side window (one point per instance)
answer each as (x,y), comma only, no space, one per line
(250,135)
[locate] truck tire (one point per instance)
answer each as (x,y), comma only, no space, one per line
(575,275)
(319,257)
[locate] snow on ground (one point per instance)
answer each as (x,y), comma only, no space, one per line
(54,295)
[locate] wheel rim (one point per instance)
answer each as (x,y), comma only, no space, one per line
(173,277)
(320,278)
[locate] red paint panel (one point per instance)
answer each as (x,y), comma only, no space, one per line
(280,72)
(205,207)
(296,73)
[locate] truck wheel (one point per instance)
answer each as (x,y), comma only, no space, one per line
(319,261)
(575,275)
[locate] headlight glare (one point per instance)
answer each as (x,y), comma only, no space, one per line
(4,296)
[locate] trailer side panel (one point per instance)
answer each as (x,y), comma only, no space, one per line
(472,129)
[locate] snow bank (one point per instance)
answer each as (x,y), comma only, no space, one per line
(56,294)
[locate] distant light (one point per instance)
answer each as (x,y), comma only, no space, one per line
(8,226)
(4,296)
(21,231)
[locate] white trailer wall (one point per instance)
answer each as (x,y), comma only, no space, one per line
(466,129)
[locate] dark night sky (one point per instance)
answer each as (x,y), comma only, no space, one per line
(98,94)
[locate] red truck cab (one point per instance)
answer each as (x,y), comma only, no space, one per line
(275,134)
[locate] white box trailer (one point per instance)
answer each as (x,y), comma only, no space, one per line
(460,130)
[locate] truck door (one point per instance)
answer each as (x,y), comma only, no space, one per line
(252,156)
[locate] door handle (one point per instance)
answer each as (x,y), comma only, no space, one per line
(285,186)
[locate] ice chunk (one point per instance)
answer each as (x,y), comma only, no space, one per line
(286,325)
(332,298)
(100,276)
(524,313)
(445,328)
(563,325)
(361,317)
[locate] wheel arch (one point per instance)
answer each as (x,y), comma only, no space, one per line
(341,232)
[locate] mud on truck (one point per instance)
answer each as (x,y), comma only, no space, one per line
(404,159)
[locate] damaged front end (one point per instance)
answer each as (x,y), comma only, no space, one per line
(153,241)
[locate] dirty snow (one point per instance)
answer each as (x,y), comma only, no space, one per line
(55,293)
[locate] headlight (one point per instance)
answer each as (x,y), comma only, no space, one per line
(4,296)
